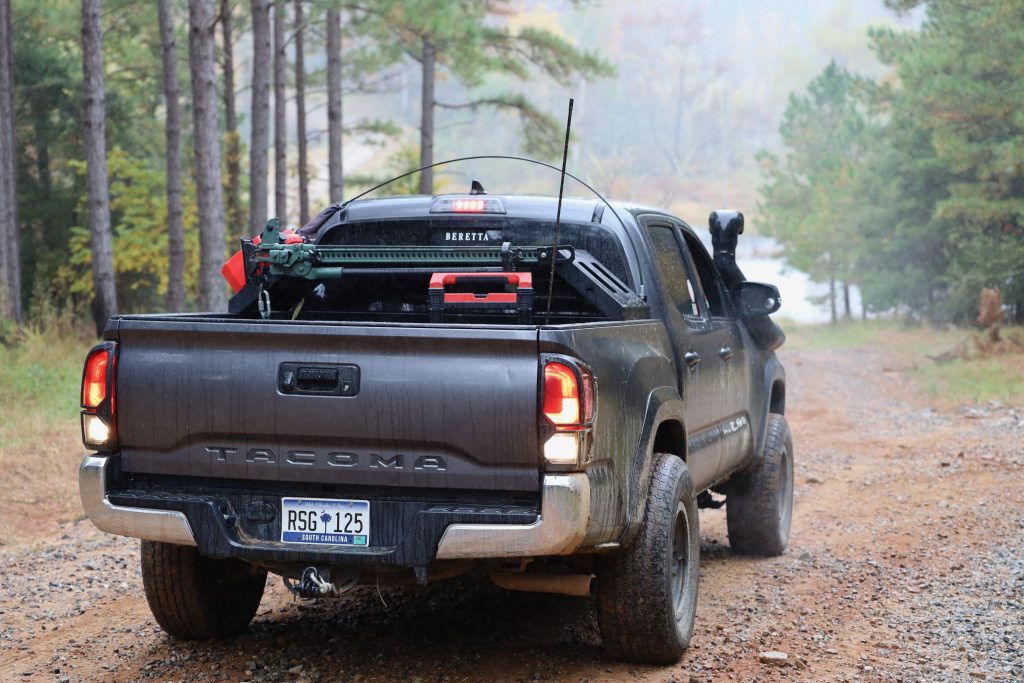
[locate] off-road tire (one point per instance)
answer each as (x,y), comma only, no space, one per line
(647,593)
(759,503)
(195,598)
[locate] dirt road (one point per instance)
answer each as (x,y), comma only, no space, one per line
(906,564)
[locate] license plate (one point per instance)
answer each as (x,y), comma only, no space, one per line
(325,521)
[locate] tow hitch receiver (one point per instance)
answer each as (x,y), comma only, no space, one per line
(313,584)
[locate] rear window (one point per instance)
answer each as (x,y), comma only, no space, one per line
(401,294)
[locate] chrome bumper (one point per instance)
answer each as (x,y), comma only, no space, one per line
(152,525)
(560,529)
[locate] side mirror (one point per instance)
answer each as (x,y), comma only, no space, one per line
(756,298)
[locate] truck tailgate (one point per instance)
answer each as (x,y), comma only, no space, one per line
(413,405)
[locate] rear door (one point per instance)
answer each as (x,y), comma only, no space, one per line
(726,365)
(695,341)
(380,405)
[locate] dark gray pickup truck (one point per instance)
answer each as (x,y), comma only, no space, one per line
(413,388)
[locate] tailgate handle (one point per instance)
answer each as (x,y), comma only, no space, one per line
(320,380)
(317,379)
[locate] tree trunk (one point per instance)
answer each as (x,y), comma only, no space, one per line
(300,112)
(100,240)
(209,195)
(847,313)
(280,116)
(427,119)
(172,131)
(832,299)
(10,249)
(232,145)
(334,119)
(258,146)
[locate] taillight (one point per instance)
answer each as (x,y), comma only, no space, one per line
(561,394)
(98,407)
(94,382)
(568,407)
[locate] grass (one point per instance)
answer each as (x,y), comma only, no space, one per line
(973,381)
(40,444)
(958,382)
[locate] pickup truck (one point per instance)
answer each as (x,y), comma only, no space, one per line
(412,388)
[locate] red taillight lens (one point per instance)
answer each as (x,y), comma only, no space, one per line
(588,397)
(561,394)
(94,381)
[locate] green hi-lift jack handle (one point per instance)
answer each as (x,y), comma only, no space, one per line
(330,262)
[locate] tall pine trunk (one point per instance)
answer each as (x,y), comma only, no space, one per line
(100,239)
(847,312)
(10,248)
(300,112)
(280,116)
(335,165)
(427,61)
(833,318)
(232,146)
(206,135)
(260,143)
(172,132)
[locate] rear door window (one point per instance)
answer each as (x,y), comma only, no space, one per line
(669,257)
(707,275)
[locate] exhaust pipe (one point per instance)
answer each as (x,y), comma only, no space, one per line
(563,584)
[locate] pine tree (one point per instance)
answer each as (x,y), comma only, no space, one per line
(10,238)
(810,199)
(104,287)
(260,143)
(300,110)
(960,83)
(467,41)
(172,133)
(232,142)
(206,136)
(280,114)
(335,122)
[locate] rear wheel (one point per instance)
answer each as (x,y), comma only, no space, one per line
(647,594)
(196,598)
(759,504)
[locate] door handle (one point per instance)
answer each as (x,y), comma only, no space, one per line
(692,358)
(725,352)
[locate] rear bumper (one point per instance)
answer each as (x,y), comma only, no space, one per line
(167,526)
(559,530)
(432,533)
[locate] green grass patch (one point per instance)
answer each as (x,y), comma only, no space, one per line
(843,335)
(41,373)
(960,381)
(973,381)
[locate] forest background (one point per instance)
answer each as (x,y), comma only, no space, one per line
(881,145)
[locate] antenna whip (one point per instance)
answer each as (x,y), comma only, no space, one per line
(558,216)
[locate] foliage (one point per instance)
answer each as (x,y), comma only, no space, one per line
(810,199)
(933,196)
(48,87)
(138,207)
(473,43)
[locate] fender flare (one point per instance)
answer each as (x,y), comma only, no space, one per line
(663,404)
(773,372)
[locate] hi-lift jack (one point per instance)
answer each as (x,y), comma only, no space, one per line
(278,254)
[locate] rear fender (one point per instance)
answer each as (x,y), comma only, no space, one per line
(663,405)
(773,372)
